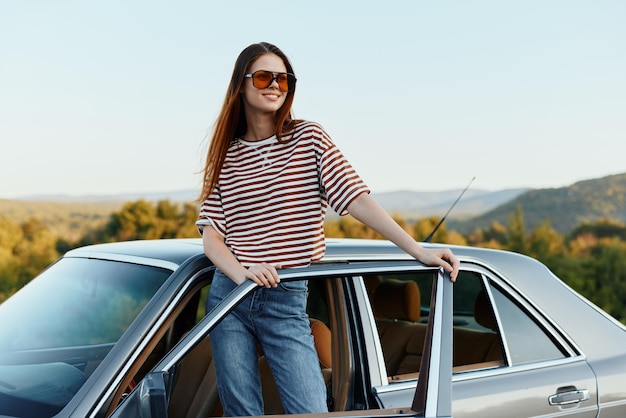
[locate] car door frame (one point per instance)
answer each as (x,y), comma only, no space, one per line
(433,396)
(474,394)
(106,385)
(532,385)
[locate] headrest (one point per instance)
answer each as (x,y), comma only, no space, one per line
(397,299)
(322,340)
(482,311)
(371,283)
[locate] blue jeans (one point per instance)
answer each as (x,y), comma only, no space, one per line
(276,320)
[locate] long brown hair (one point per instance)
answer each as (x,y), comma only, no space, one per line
(231,122)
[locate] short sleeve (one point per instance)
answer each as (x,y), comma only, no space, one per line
(340,180)
(212,213)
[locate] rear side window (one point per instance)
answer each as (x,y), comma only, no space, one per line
(526,341)
(490,329)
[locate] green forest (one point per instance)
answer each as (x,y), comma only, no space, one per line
(590,258)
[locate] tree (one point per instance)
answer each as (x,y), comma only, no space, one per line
(144,220)
(25,250)
(425,226)
(606,270)
(492,237)
(544,243)
(348,227)
(136,220)
(516,239)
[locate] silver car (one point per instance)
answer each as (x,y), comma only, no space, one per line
(120,330)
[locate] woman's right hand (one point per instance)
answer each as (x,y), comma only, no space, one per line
(216,250)
(263,274)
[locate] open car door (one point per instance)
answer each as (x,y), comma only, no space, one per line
(433,395)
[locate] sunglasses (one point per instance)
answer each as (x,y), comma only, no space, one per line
(262,79)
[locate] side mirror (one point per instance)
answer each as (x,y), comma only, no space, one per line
(148,400)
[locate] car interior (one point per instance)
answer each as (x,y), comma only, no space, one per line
(195,389)
(401,310)
(402,317)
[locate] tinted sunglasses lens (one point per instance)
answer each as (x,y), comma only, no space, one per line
(262,79)
(283,82)
(290,82)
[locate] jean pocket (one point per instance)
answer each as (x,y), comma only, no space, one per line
(298,286)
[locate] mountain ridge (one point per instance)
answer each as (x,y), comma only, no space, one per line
(408,203)
(565,207)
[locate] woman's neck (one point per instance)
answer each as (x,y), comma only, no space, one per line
(260,128)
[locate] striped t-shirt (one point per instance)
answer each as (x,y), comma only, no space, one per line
(271,198)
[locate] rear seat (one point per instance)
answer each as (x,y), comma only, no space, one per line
(473,346)
(396,305)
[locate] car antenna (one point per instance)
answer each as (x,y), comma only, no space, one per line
(430,236)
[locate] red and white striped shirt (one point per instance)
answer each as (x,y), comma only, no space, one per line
(271,198)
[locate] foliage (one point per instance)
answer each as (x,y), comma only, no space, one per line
(590,259)
(144,220)
(69,220)
(25,250)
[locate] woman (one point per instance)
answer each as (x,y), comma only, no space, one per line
(268,182)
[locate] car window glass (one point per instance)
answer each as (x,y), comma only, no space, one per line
(401,308)
(526,340)
(188,314)
(401,303)
(77,302)
(57,329)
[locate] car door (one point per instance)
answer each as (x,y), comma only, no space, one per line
(171,391)
(509,360)
(543,372)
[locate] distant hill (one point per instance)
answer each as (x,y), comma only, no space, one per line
(174,196)
(565,207)
(407,203)
(412,205)
(71,216)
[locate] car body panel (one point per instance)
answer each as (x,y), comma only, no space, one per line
(591,369)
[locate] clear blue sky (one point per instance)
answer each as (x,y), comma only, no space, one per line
(116,96)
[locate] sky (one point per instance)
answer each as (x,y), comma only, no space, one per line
(118,96)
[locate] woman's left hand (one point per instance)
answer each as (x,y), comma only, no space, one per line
(441,257)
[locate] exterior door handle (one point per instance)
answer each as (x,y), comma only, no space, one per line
(568,395)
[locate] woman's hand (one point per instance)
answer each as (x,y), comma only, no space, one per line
(216,250)
(263,274)
(442,257)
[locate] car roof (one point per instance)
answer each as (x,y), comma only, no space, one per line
(176,251)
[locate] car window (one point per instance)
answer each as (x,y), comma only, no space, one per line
(482,335)
(400,303)
(188,311)
(527,342)
(184,383)
(77,302)
(57,329)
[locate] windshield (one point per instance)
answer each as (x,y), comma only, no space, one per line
(55,331)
